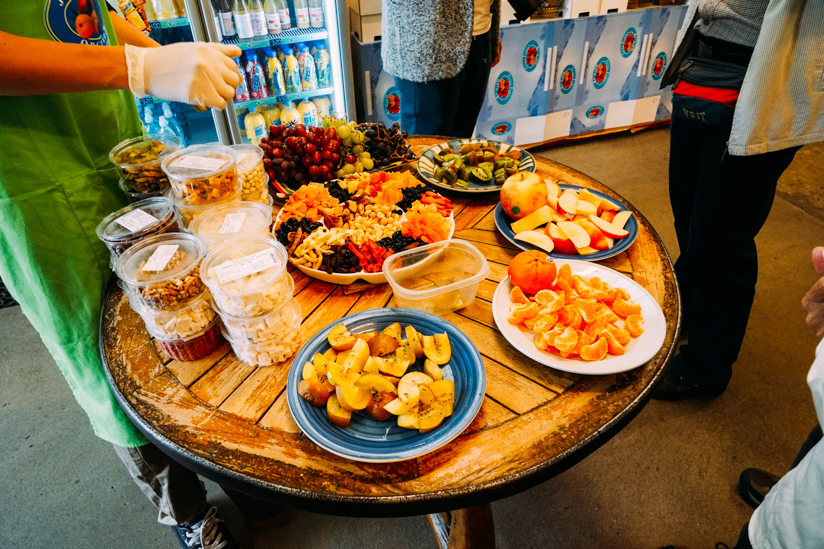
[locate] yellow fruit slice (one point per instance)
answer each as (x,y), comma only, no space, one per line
(409,420)
(352,397)
(330,354)
(432,370)
(357,356)
(414,340)
(399,407)
(320,363)
(444,391)
(437,348)
(336,413)
(371,366)
(375,383)
(391,366)
(340,339)
(393,330)
(342,356)
(430,419)
(410,380)
(427,396)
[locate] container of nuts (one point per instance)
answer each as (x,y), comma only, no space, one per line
(188,213)
(136,196)
(202,174)
(127,226)
(139,160)
(251,173)
(162,272)
(221,224)
(194,347)
(180,323)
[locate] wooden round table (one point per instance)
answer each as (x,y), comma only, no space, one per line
(230,422)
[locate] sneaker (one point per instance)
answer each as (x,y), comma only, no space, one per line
(207,533)
(673,387)
(754,485)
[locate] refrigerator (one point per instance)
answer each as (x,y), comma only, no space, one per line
(196,20)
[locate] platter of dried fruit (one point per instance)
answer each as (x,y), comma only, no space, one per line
(581,318)
(341,231)
(386,385)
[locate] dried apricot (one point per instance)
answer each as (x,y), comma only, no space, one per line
(634,324)
(567,341)
(595,351)
(517,295)
(625,308)
(621,335)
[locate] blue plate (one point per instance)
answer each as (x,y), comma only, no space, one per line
(383,441)
(502,221)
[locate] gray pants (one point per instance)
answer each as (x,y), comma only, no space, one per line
(177,492)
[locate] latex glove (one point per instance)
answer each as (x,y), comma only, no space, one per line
(197,73)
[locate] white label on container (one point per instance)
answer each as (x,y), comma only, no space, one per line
(245,266)
(199,163)
(302,15)
(241,157)
(136,220)
(232,223)
(316,15)
(160,258)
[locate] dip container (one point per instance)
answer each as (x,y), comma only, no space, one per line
(202,174)
(231,221)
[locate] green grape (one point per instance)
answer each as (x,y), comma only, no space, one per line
(357,150)
(344,132)
(368,163)
(358,166)
(357,137)
(340,173)
(347,141)
(348,169)
(365,154)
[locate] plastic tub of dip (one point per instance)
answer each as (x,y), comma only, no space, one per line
(127,226)
(136,197)
(189,213)
(163,272)
(266,353)
(251,173)
(180,323)
(247,277)
(265,327)
(202,174)
(194,347)
(221,224)
(138,160)
(436,278)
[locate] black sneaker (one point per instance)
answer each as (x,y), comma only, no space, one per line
(208,532)
(674,387)
(754,485)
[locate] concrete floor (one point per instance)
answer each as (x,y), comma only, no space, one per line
(669,477)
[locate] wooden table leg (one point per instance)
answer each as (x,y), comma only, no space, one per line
(471,528)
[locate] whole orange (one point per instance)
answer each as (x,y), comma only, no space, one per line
(532,271)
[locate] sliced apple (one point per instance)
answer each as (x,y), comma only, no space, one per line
(375,383)
(563,245)
(597,239)
(558,216)
(607,216)
(587,196)
(342,356)
(552,201)
(398,406)
(336,413)
(409,420)
(609,229)
(340,339)
(621,218)
(427,396)
(609,205)
(537,218)
(414,340)
(352,397)
(586,208)
(410,380)
(552,189)
(575,233)
(586,250)
(437,348)
(371,366)
(330,354)
(536,239)
(610,241)
(568,202)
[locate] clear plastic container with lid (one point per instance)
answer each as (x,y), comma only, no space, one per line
(247,277)
(251,173)
(163,272)
(436,278)
(181,323)
(266,353)
(127,226)
(202,174)
(136,196)
(221,224)
(266,327)
(188,213)
(139,161)
(196,346)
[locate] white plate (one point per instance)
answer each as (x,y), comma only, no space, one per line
(639,350)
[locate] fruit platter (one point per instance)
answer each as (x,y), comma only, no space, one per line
(473,165)
(342,230)
(386,385)
(566,221)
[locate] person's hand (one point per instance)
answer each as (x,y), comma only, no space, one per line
(813,302)
(498,55)
(197,73)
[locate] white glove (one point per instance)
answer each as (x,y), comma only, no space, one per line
(197,73)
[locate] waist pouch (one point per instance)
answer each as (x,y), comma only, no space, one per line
(706,90)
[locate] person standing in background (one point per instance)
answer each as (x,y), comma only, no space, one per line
(440,54)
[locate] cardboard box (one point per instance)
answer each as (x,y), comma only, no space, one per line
(612,6)
(581,8)
(365,7)
(366,27)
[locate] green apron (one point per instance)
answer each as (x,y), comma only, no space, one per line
(56,184)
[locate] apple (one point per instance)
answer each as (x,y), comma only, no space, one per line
(563,245)
(608,216)
(537,239)
(586,208)
(621,218)
(537,218)
(609,205)
(575,232)
(587,196)
(608,229)
(552,189)
(568,202)
(586,250)
(552,201)
(522,193)
(597,239)
(557,216)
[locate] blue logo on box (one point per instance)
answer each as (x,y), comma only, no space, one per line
(600,74)
(532,53)
(500,128)
(628,42)
(659,65)
(504,88)
(567,79)
(392,104)
(595,112)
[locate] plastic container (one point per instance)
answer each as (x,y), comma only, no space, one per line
(436,278)
(267,327)
(135,196)
(266,353)
(188,213)
(266,286)
(173,279)
(245,219)
(202,174)
(195,347)
(127,226)
(251,173)
(182,323)
(139,161)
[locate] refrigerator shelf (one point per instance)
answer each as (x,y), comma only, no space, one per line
(289,36)
(169,23)
(283,98)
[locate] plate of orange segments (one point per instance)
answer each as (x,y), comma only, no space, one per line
(591,320)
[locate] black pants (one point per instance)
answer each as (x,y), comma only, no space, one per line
(448,107)
(720,202)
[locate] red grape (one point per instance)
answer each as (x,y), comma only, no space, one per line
(313,171)
(271,174)
(307,160)
(317,130)
(309,148)
(274,130)
(291,142)
(326,155)
(335,158)
(298,150)
(302,132)
(317,158)
(333,146)
(264,139)
(267,162)
(300,127)
(328,165)
(331,133)
(277,153)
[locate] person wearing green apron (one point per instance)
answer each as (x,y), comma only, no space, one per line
(56,184)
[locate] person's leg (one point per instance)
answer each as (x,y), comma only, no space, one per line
(812,439)
(428,108)
(744,538)
(473,80)
(259,514)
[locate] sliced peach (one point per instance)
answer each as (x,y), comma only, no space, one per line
(409,381)
(437,348)
(393,330)
(352,397)
(367,336)
(444,391)
(375,383)
(313,391)
(391,366)
(330,354)
(382,345)
(340,339)
(376,409)
(399,407)
(430,419)
(415,341)
(411,419)
(336,413)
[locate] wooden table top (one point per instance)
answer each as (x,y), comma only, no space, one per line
(230,422)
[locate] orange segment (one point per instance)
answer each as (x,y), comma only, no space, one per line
(517,295)
(583,341)
(615,293)
(614,348)
(564,273)
(625,308)
(567,341)
(594,329)
(634,325)
(622,336)
(595,351)
(519,313)
(588,308)
(549,337)
(544,323)
(552,301)
(606,315)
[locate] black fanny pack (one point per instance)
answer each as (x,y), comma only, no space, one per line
(706,90)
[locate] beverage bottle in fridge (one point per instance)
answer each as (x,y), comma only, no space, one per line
(316,13)
(256,127)
(258,17)
(274,73)
(283,11)
(272,16)
(324,105)
(291,71)
(180,8)
(150,12)
(166,9)
(243,20)
(271,113)
(227,22)
(290,115)
(308,74)
(308,113)
(279,52)
(216,12)
(165,127)
(301,14)
(242,91)
(134,15)
(297,48)
(179,111)
(149,121)
(173,123)
(255,78)
(323,66)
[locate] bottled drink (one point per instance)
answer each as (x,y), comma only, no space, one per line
(291,71)
(227,23)
(271,113)
(298,50)
(242,91)
(301,14)
(313,47)
(243,20)
(283,11)
(165,127)
(216,11)
(167,9)
(258,17)
(290,115)
(254,76)
(308,113)
(316,13)
(149,122)
(274,73)
(323,104)
(256,127)
(172,122)
(272,16)
(308,74)
(323,66)
(180,8)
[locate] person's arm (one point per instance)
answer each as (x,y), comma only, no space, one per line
(127,34)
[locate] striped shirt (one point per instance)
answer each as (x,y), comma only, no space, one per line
(737,21)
